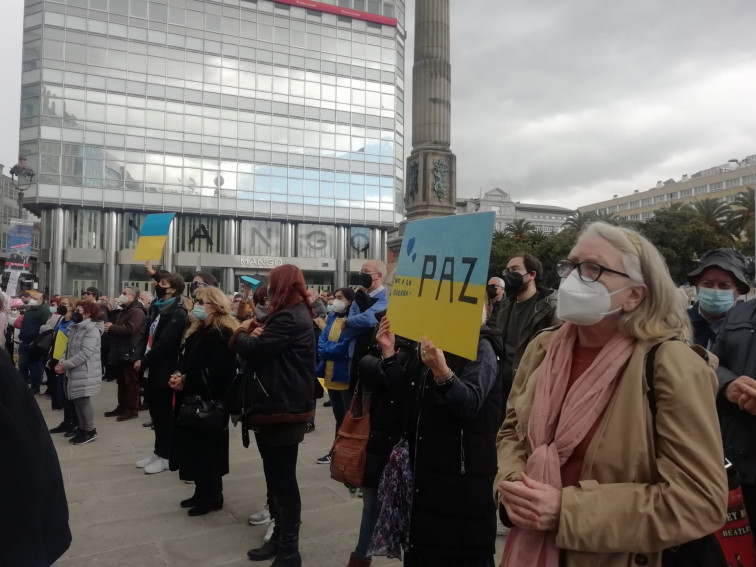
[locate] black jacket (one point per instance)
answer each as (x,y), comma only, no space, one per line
(194,452)
(281,367)
(702,333)
(736,348)
(162,359)
(453,452)
(35,528)
(544,316)
(34,317)
(126,332)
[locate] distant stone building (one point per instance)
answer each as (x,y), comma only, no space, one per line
(721,182)
(546,218)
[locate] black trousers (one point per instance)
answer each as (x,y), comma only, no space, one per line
(161,412)
(280,466)
(749,499)
(417,560)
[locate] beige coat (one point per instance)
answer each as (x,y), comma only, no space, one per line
(632,502)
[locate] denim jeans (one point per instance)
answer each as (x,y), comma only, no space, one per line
(340,400)
(30,367)
(369,519)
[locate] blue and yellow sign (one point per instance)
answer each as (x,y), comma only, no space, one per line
(440,282)
(152,236)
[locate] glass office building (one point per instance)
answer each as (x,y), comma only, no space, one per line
(272,128)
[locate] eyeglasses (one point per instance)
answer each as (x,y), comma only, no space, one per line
(587,271)
(88,293)
(199,301)
(512,270)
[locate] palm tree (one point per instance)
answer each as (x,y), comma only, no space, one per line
(579,220)
(741,216)
(537,236)
(519,230)
(712,213)
(608,218)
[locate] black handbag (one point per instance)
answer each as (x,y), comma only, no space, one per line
(124,353)
(204,415)
(41,345)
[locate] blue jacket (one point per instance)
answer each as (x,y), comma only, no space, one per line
(337,352)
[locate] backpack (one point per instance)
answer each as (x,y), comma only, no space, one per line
(703,552)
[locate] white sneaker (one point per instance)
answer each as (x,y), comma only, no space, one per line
(269,533)
(261,517)
(147,461)
(157,466)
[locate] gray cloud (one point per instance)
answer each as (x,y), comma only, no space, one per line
(567,102)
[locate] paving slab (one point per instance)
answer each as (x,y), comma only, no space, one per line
(120,516)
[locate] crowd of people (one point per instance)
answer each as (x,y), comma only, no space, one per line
(561,433)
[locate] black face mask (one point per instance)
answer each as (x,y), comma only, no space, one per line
(160,291)
(513,283)
(491,291)
(77,317)
(62,310)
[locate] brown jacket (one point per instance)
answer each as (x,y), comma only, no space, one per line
(632,501)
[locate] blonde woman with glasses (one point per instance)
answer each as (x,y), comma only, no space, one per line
(588,475)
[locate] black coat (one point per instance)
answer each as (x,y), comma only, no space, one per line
(736,348)
(198,453)
(162,359)
(281,367)
(702,331)
(33,503)
(453,459)
(126,331)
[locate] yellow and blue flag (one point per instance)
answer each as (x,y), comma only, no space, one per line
(152,236)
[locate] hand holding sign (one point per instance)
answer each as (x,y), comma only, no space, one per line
(440,281)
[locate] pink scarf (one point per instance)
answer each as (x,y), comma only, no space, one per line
(559,420)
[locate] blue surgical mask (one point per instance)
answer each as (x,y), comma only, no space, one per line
(199,312)
(715,301)
(53,309)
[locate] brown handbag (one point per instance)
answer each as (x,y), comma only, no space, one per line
(349,449)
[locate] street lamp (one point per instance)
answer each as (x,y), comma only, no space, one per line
(21,177)
(738,163)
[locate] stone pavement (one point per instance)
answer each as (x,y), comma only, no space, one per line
(120,516)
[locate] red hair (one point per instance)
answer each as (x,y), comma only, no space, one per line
(286,287)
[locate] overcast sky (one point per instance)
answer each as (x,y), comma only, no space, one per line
(567,103)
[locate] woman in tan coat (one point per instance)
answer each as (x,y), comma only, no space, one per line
(583,477)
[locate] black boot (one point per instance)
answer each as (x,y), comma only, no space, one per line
(288,549)
(270,548)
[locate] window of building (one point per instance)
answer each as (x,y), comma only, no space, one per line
(260,238)
(686,193)
(359,243)
(622,207)
(198,233)
(647,202)
(316,241)
(132,224)
(733,183)
(701,189)
(85,230)
(674,195)
(716,186)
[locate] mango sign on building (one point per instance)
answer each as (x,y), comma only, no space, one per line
(439,286)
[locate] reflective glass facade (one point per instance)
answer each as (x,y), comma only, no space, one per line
(235,109)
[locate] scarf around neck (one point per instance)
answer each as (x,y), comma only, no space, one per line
(164,304)
(559,421)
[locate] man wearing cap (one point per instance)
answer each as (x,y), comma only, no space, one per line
(734,343)
(719,280)
(36,314)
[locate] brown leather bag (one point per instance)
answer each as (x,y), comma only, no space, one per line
(350,447)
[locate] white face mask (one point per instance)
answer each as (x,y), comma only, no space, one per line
(339,306)
(584,303)
(33,302)
(123,298)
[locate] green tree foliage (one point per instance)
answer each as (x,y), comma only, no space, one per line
(682,233)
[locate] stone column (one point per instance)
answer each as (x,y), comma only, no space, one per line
(58,233)
(431,167)
(112,231)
